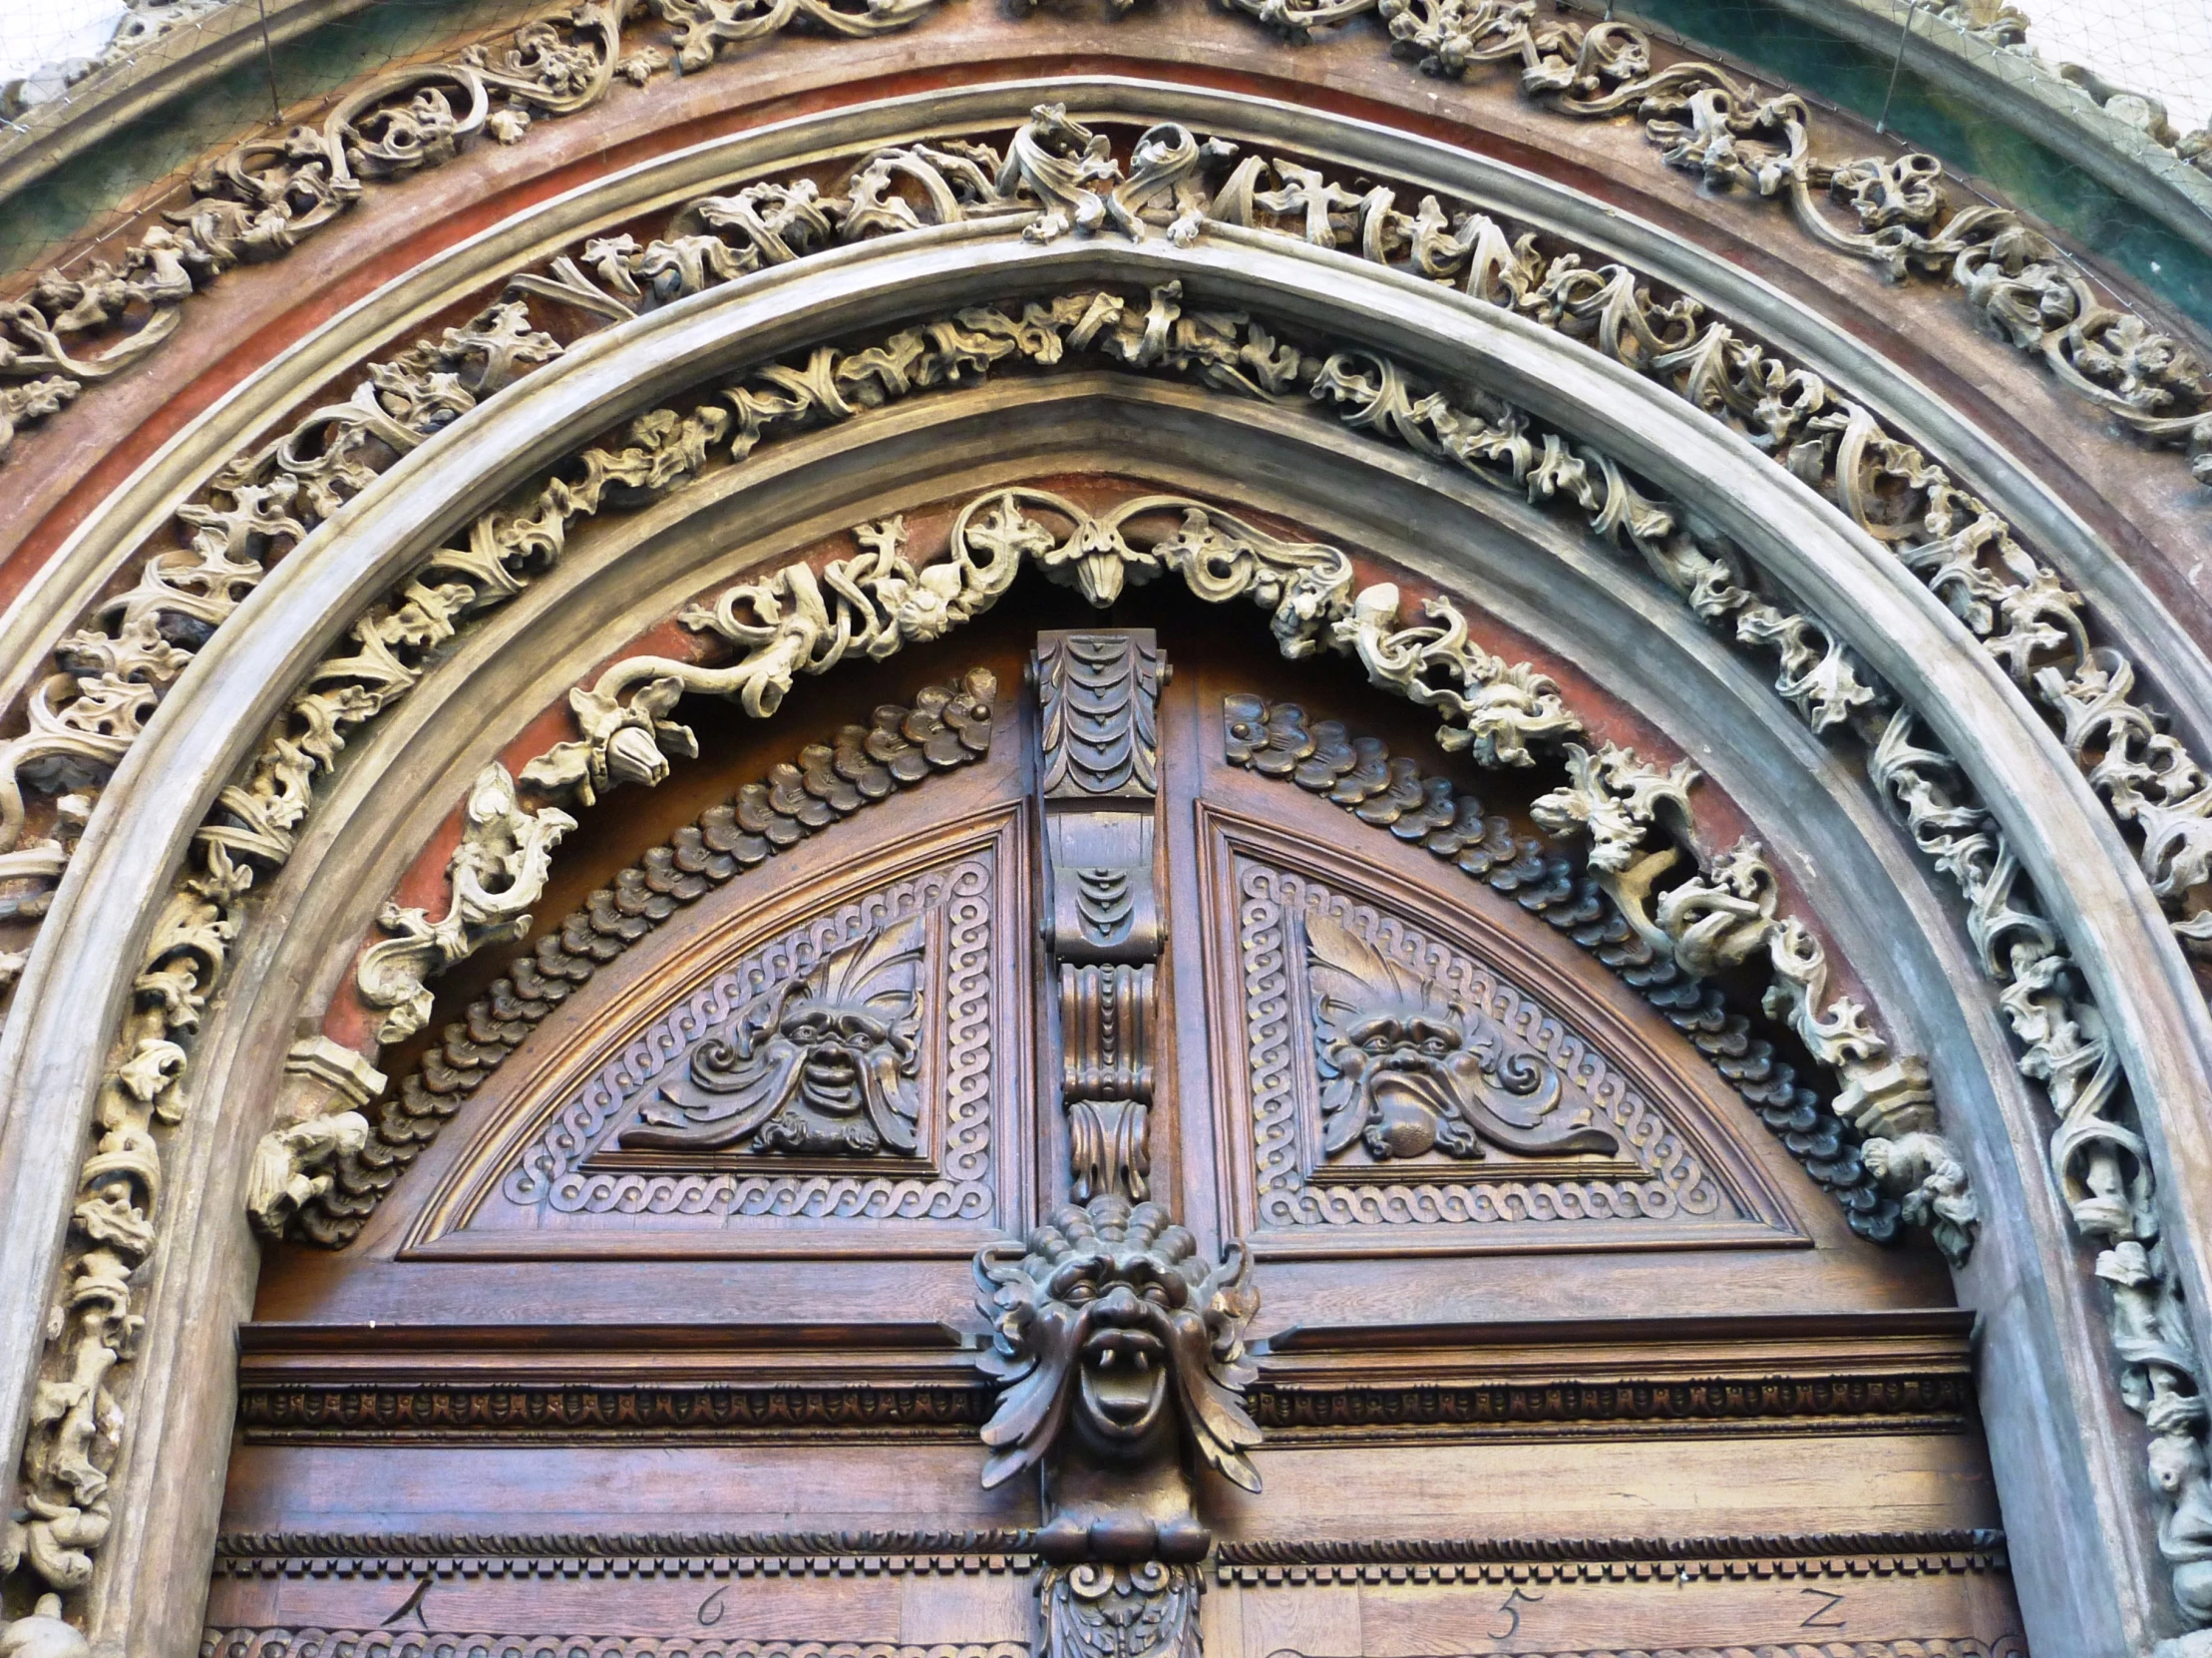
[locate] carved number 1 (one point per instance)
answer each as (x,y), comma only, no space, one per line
(1815,1619)
(1512,1615)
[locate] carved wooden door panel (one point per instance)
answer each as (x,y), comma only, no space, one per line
(1372,1253)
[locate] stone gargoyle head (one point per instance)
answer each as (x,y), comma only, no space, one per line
(1110,1328)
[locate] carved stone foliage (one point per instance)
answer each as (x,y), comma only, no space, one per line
(1407,1068)
(828,1062)
(798,621)
(498,871)
(318,1123)
(114,669)
(947,726)
(2099,1160)
(1400,1125)
(260,199)
(1111,1332)
(859,1017)
(2026,290)
(1391,795)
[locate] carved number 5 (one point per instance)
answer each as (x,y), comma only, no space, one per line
(710,1609)
(1512,1615)
(1817,1618)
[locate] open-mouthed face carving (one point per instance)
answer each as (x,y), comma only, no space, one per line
(1407,1071)
(829,1064)
(1110,1326)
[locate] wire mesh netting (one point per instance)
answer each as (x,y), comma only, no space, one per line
(2149,61)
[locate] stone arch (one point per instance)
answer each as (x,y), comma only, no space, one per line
(105,909)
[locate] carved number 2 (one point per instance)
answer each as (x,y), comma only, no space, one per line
(1512,1615)
(1816,1618)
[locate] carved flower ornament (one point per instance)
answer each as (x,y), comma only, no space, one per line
(825,1063)
(1109,1322)
(1407,1071)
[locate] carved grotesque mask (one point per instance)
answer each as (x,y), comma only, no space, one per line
(1110,1325)
(1407,1071)
(828,1062)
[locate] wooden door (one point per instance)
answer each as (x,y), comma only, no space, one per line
(1273,1032)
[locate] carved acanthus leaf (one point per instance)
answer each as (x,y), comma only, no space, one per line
(498,871)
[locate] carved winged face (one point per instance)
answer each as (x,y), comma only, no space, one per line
(1407,1071)
(829,1064)
(1110,1326)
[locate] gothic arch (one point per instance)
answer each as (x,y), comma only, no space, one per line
(1541,570)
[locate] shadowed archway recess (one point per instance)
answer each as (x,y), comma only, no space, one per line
(1510,466)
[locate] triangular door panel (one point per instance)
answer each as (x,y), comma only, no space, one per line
(1410,1076)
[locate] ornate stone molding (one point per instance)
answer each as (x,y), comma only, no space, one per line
(295,1413)
(947,726)
(254,828)
(1969,554)
(114,669)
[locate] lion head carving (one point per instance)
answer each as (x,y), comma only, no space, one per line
(1109,1325)
(1406,1070)
(827,1062)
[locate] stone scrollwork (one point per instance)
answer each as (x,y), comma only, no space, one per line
(113,671)
(1121,1609)
(2102,1165)
(318,1125)
(1406,1070)
(498,871)
(829,1064)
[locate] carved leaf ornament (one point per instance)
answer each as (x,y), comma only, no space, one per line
(82,721)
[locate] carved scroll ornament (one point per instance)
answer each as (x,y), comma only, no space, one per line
(89,713)
(496,872)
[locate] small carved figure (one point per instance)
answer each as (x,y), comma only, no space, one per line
(1108,1327)
(1407,1071)
(827,1063)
